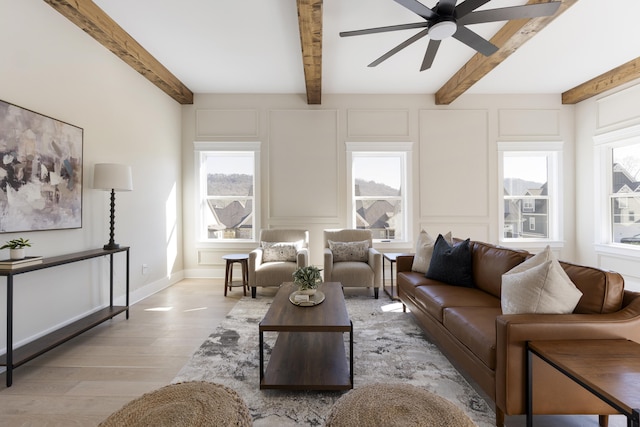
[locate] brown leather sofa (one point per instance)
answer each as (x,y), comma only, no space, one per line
(489,348)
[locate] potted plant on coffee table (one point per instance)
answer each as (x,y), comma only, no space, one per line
(307,278)
(16,247)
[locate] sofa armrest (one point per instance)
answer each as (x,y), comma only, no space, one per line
(514,330)
(404,263)
(328,264)
(302,257)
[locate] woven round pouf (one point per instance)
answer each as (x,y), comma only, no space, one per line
(395,405)
(193,403)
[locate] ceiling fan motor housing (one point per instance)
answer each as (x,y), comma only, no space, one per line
(443,29)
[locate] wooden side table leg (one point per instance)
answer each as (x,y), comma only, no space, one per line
(245,276)
(227,270)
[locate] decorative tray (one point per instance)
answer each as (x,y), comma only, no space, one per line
(314,299)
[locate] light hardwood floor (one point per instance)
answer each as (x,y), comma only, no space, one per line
(83,381)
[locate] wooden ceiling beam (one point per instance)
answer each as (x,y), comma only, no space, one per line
(609,80)
(508,39)
(310,23)
(95,22)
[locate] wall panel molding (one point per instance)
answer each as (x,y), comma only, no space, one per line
(618,108)
(227,123)
(377,123)
(303,164)
(535,123)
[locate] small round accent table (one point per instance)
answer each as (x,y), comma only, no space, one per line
(243,260)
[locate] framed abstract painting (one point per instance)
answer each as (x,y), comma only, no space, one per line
(40,171)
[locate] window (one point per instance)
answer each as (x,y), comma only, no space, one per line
(624,193)
(530,191)
(227,191)
(379,190)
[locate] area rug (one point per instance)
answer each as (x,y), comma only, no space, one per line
(388,348)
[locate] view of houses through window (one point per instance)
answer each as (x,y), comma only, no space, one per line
(625,194)
(227,183)
(378,186)
(526,195)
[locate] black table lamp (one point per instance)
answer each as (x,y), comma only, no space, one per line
(114,177)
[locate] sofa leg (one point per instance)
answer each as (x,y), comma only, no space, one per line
(499,417)
(404,308)
(603,420)
(375,292)
(253,292)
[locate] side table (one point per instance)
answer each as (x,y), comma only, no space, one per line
(390,290)
(243,260)
(608,368)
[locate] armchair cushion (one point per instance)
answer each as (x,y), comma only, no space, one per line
(280,251)
(350,251)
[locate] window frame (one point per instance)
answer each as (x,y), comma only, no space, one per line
(201,148)
(603,182)
(402,150)
(553,151)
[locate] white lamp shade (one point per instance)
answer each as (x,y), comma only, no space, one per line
(112,176)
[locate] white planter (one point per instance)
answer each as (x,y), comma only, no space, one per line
(17,253)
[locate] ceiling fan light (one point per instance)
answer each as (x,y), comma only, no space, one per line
(442,30)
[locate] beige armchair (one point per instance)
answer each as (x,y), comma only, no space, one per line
(349,258)
(279,254)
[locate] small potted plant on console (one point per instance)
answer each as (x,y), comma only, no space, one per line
(16,247)
(307,278)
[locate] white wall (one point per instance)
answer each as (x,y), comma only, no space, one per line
(50,66)
(456,185)
(612,111)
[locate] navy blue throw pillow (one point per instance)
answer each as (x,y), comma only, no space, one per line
(451,264)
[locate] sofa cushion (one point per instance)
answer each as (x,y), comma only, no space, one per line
(451,264)
(279,251)
(350,251)
(490,262)
(424,251)
(407,282)
(539,285)
(475,327)
(435,298)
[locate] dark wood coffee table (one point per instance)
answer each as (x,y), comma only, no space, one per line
(610,369)
(309,353)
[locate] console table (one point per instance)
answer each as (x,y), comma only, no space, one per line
(15,357)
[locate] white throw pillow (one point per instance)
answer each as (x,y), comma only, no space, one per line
(349,251)
(539,285)
(279,251)
(424,251)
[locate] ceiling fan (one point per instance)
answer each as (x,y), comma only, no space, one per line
(446,19)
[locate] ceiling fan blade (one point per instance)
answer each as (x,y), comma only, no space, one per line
(383,29)
(430,54)
(468,6)
(508,13)
(474,41)
(418,8)
(398,48)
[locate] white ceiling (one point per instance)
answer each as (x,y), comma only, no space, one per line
(253,46)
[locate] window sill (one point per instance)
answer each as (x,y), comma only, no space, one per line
(618,249)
